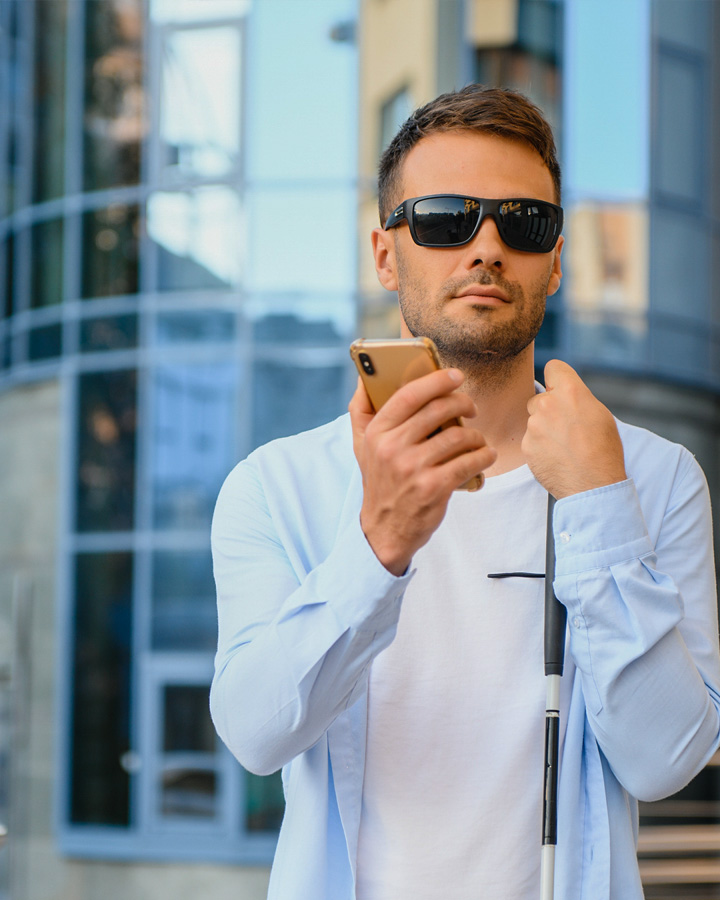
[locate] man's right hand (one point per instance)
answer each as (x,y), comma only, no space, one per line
(408,478)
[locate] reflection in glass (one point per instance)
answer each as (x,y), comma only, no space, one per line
(46,278)
(199,237)
(200,101)
(106,451)
(110,333)
(193,431)
(286,328)
(288,399)
(183,601)
(264,802)
(114,103)
(101,688)
(191,327)
(189,793)
(49,100)
(45,342)
(189,782)
(110,251)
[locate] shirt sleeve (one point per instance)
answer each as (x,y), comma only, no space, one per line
(292,651)
(643,629)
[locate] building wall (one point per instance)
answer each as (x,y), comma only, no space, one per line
(30,451)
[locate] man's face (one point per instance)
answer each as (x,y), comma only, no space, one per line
(482,303)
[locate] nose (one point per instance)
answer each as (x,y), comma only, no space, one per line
(487,248)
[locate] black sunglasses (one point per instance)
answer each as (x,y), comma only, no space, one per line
(451,220)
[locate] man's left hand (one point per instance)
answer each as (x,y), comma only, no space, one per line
(571,443)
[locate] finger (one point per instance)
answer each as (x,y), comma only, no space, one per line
(462,468)
(435,414)
(411,397)
(557,372)
(451,442)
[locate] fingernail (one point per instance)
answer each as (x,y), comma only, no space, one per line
(456,375)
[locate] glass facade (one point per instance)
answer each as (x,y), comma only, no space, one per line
(178,248)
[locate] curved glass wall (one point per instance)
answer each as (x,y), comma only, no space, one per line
(169,169)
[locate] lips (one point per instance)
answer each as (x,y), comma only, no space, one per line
(483,292)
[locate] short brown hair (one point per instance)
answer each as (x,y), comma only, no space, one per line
(499,111)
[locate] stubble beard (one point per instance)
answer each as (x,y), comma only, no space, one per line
(486,350)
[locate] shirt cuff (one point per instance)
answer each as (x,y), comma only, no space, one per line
(599,528)
(365,594)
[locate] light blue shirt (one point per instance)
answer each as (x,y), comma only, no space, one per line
(305,606)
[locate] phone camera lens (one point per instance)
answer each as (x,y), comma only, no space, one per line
(366,363)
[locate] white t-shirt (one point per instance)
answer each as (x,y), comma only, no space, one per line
(452,795)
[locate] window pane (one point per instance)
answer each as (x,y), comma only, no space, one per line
(116,333)
(183,605)
(106,451)
(189,781)
(392,114)
(264,802)
(101,689)
(114,95)
(199,238)
(8,281)
(45,342)
(189,793)
(188,726)
(49,100)
(110,251)
(291,398)
(681,122)
(191,327)
(193,438)
(46,280)
(200,102)
(14,97)
(287,328)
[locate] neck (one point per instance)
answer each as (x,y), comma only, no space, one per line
(501,398)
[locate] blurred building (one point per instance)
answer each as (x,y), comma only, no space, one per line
(632,89)
(182,267)
(178,183)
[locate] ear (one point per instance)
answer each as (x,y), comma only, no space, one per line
(556,273)
(383,244)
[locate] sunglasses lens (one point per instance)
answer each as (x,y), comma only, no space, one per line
(529,225)
(444,221)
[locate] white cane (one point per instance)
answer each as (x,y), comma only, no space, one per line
(555,619)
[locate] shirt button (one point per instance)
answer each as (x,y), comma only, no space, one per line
(577,622)
(564,537)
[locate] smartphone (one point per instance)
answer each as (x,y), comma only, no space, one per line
(386,365)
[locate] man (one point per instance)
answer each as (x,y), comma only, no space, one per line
(363,647)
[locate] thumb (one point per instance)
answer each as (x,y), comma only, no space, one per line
(557,372)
